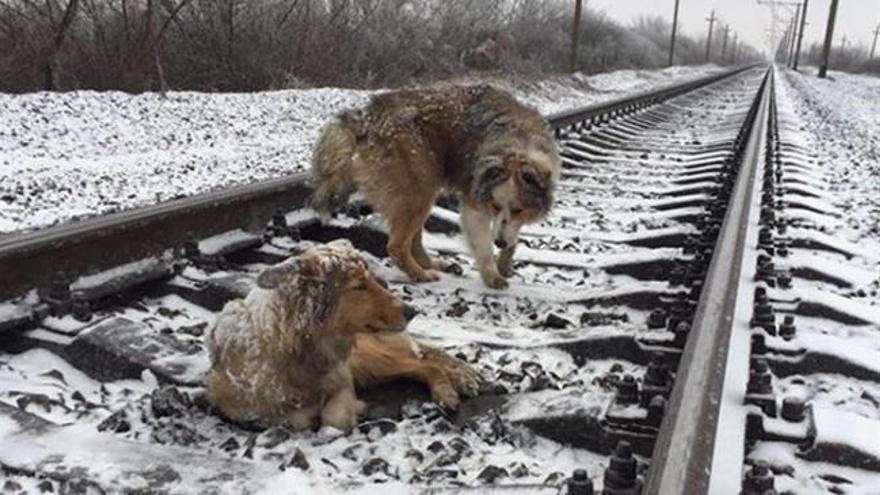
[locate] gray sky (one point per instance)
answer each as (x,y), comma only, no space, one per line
(855,18)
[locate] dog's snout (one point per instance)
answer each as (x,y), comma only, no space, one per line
(500,243)
(410,312)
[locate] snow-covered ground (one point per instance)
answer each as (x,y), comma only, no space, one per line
(71,155)
(540,370)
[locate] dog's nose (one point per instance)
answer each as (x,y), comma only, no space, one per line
(500,243)
(409,312)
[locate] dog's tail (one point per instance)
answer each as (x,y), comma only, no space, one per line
(332,162)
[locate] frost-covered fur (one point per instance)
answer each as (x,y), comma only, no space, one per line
(406,146)
(284,353)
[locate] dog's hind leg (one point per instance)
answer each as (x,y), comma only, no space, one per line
(403,225)
(423,258)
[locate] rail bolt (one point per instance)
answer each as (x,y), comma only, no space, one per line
(766,273)
(758,480)
(82,310)
(628,390)
(793,409)
(191,248)
(676,275)
(787,329)
(580,483)
(57,297)
(759,345)
(620,475)
(765,236)
(760,378)
(784,280)
(763,316)
(681,334)
(657,318)
(656,380)
(768,217)
(279,224)
(657,372)
(760,292)
(656,410)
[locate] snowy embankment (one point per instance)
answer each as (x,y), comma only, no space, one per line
(71,155)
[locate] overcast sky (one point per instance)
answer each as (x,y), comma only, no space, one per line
(855,18)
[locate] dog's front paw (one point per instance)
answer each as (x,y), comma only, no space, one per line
(505,269)
(466,380)
(504,263)
(426,276)
(343,414)
(444,395)
(494,280)
(344,419)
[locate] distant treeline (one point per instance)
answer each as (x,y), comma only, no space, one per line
(849,59)
(245,45)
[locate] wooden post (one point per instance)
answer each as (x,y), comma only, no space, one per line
(711,20)
(672,41)
(829,37)
(794,30)
(797,53)
(724,43)
(874,45)
(575,35)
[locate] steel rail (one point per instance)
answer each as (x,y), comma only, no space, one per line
(34,259)
(637,101)
(681,462)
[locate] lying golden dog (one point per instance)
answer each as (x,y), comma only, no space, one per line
(315,326)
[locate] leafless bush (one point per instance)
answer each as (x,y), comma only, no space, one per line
(848,59)
(243,45)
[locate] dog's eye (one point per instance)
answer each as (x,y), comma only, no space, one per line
(495,207)
(516,211)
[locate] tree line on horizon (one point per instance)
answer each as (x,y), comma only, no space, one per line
(251,45)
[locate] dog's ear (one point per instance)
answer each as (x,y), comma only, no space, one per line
(273,276)
(491,172)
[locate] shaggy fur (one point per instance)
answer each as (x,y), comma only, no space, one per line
(406,146)
(317,325)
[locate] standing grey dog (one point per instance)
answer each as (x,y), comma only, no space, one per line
(405,147)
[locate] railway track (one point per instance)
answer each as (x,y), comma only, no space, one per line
(680,324)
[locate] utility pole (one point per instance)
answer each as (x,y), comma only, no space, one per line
(794,29)
(575,35)
(711,20)
(829,36)
(779,56)
(734,48)
(724,43)
(874,45)
(797,52)
(674,27)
